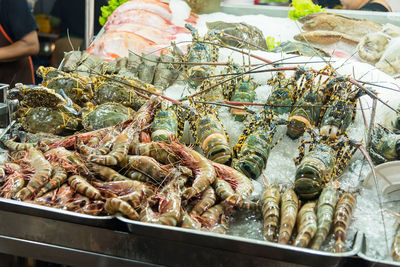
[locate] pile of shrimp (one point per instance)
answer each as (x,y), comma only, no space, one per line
(119,170)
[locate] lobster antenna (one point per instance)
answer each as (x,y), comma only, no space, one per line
(394,83)
(7,129)
(216,44)
(378,85)
(242,41)
(362,76)
(363,114)
(267,105)
(310,46)
(392,212)
(186,63)
(334,50)
(224,105)
(352,55)
(227,80)
(260,71)
(372,122)
(223,63)
(390,64)
(136,87)
(373,114)
(242,73)
(372,95)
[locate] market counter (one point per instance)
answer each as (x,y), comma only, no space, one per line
(83,245)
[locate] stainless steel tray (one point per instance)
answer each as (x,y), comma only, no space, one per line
(251,247)
(280,11)
(373,261)
(53,213)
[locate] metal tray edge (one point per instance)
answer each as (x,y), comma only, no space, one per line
(355,250)
(362,255)
(282,11)
(31,206)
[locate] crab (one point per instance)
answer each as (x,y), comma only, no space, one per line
(47,73)
(78,88)
(108,114)
(253,38)
(112,91)
(35,96)
(43,119)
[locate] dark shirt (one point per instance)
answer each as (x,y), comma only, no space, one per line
(328,3)
(72,15)
(43,6)
(16,18)
(374,7)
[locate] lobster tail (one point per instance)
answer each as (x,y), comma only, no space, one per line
(219,151)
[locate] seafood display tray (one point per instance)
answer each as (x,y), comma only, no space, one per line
(372,261)
(282,12)
(250,247)
(3,106)
(71,238)
(53,213)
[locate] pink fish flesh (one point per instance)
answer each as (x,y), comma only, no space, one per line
(148,32)
(160,8)
(112,45)
(146,18)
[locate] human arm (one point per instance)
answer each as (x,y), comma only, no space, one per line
(377,5)
(28,45)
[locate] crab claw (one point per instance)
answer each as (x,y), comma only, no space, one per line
(329,131)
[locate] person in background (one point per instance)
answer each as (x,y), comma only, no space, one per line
(43,7)
(329,3)
(18,41)
(371,5)
(69,17)
(367,5)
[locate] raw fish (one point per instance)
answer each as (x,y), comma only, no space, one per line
(357,28)
(157,7)
(325,37)
(150,33)
(113,45)
(146,18)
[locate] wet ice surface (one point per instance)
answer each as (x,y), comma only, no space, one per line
(367,216)
(280,166)
(246,224)
(233,128)
(368,219)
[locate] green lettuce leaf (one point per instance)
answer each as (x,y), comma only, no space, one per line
(302,8)
(271,43)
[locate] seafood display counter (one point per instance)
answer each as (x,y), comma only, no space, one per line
(70,238)
(279,11)
(373,261)
(245,246)
(148,245)
(52,213)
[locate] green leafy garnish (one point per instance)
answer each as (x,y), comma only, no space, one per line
(302,8)
(277,1)
(106,11)
(271,44)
